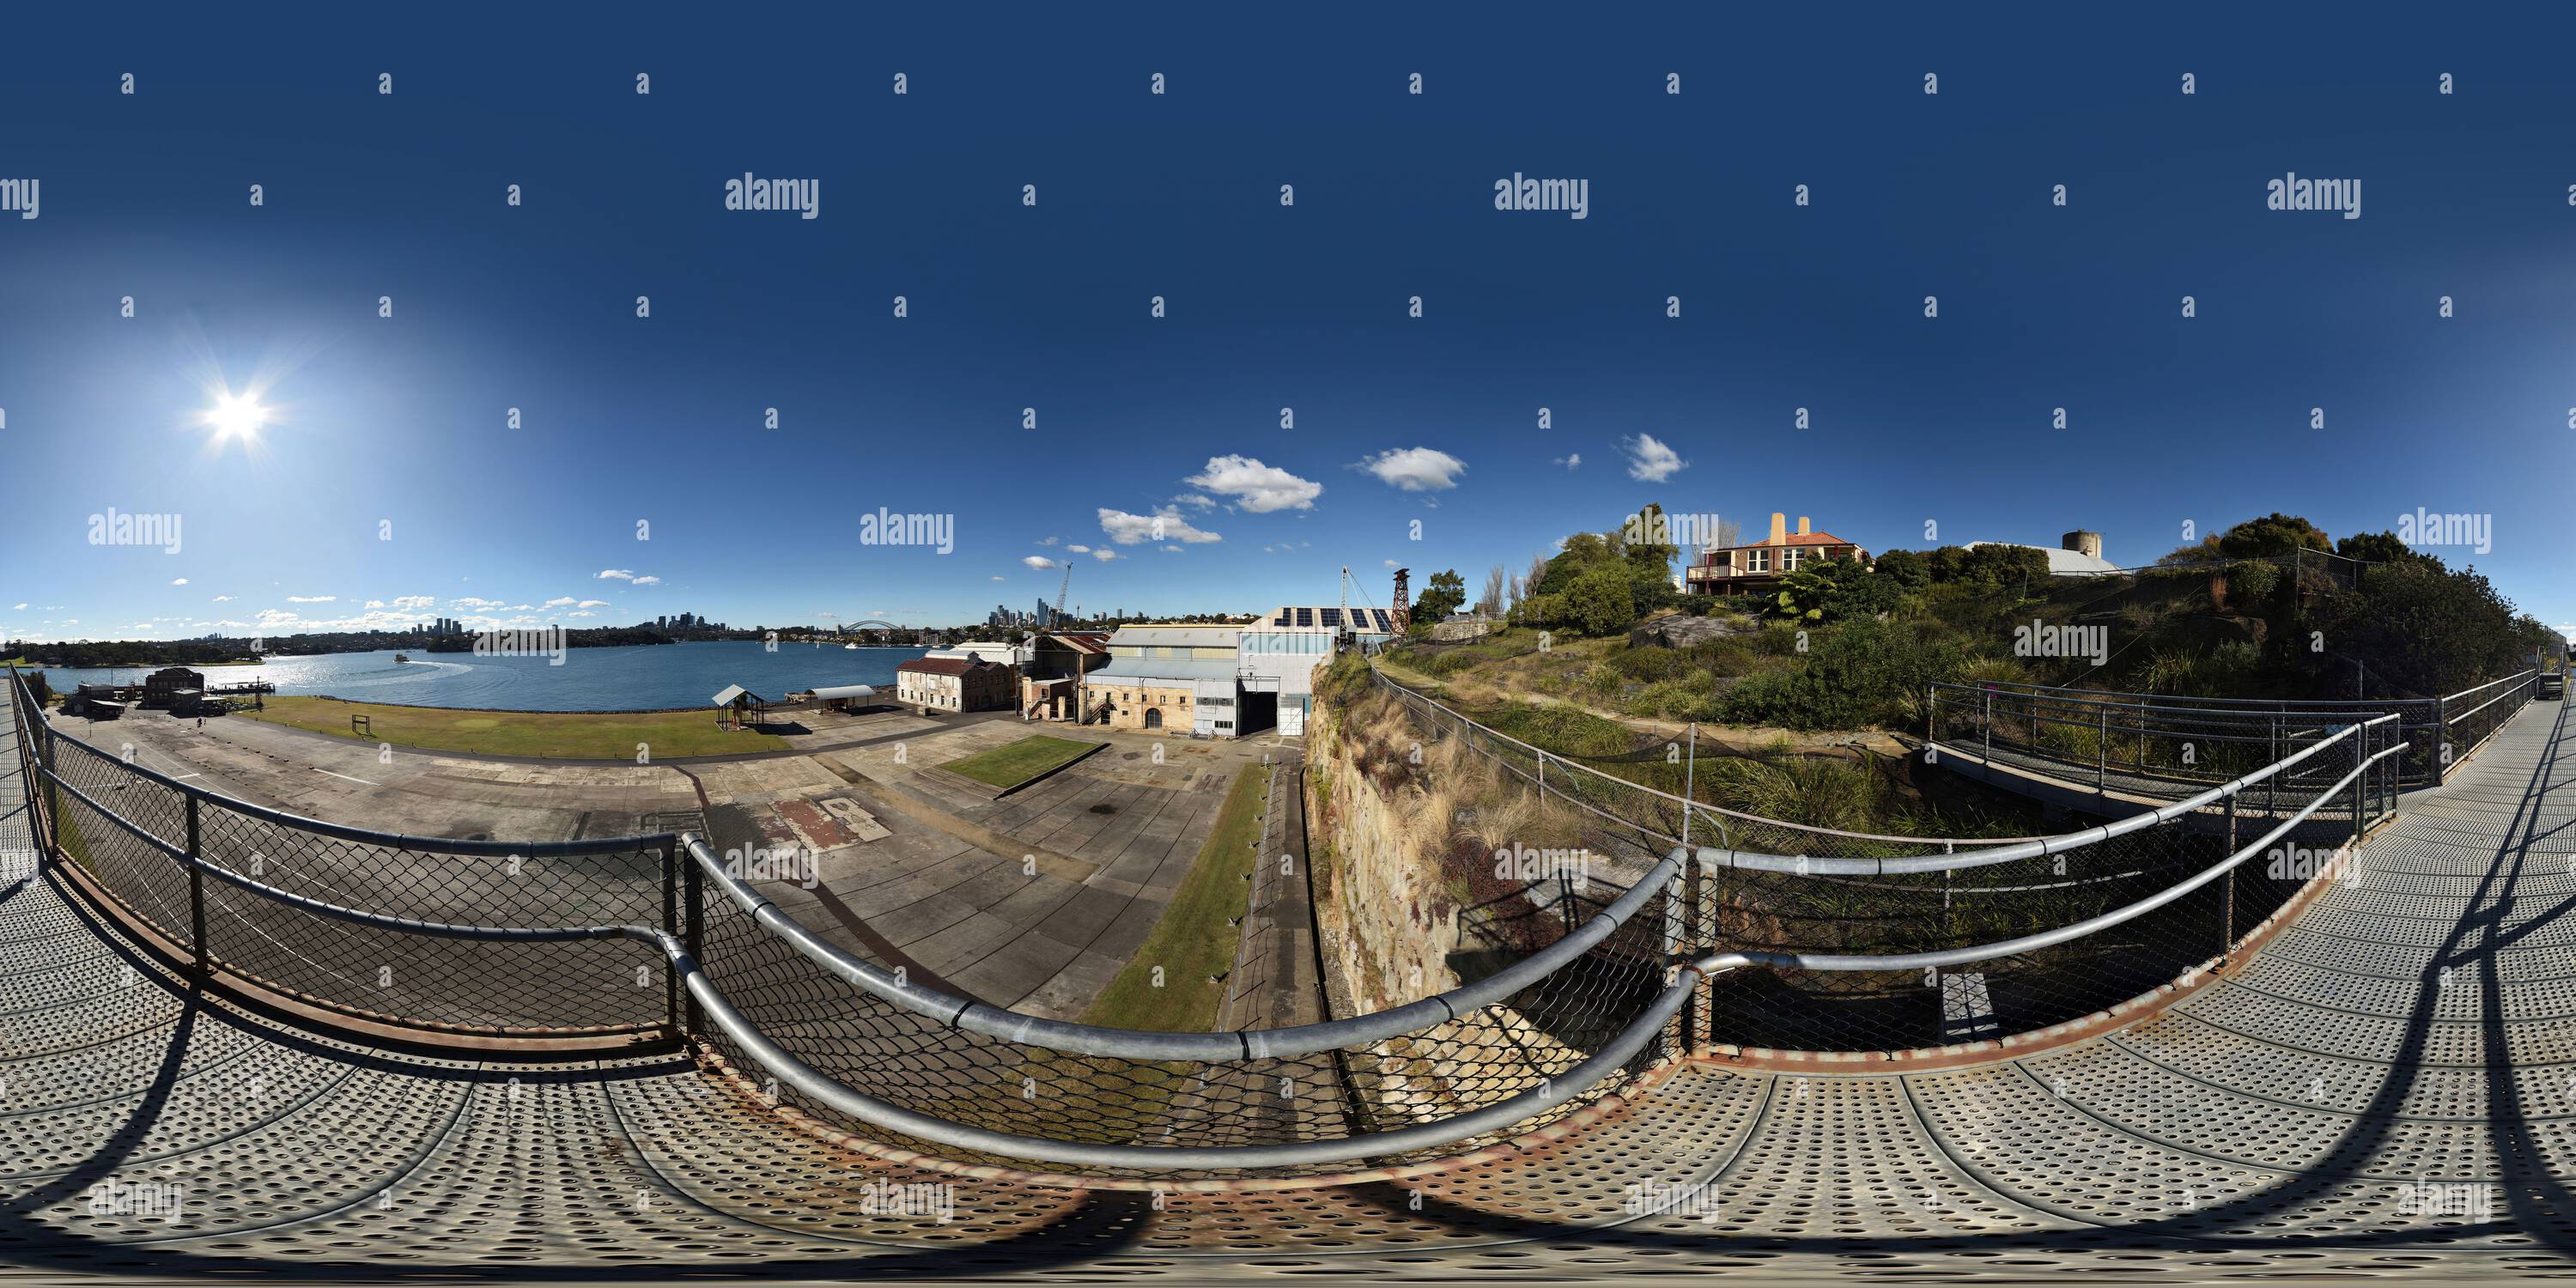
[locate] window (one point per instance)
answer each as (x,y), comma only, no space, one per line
(1790,558)
(1758,560)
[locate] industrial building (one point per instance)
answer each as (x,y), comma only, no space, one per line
(2077,554)
(1181,678)
(1052,676)
(954,684)
(1278,653)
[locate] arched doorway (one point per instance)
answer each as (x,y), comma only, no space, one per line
(1153,717)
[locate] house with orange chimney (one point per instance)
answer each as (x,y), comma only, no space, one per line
(1759,566)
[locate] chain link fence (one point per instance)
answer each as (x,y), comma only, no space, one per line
(2168,746)
(126,828)
(1766,886)
(1579,986)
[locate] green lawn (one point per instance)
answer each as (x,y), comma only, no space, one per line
(1193,941)
(1010,765)
(560,735)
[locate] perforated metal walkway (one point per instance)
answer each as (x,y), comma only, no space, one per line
(2389,1088)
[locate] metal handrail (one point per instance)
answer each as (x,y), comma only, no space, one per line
(2047,845)
(1601,1064)
(1145,1044)
(804,1077)
(2211,703)
(2047,938)
(1631,784)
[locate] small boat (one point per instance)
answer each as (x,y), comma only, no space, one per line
(850,646)
(400,658)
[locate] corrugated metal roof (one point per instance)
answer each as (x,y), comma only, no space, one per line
(725,699)
(1175,636)
(831,691)
(1160,670)
(943,666)
(2061,562)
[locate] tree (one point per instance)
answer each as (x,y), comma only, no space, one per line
(1649,542)
(1834,589)
(2375,547)
(1582,551)
(1602,600)
(1491,602)
(1541,610)
(1907,568)
(2273,534)
(1441,597)
(2425,629)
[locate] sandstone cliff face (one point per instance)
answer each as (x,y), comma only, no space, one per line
(1388,928)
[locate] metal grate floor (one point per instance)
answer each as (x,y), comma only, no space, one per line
(2390,1090)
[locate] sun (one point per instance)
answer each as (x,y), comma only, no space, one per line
(236,416)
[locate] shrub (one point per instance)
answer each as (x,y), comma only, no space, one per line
(1541,611)
(1602,601)
(1602,678)
(1649,664)
(2251,583)
(1866,672)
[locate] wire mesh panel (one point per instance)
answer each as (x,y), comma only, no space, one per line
(1803,910)
(2019,944)
(2169,747)
(1479,1059)
(371,970)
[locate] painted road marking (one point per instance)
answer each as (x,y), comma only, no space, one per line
(345,776)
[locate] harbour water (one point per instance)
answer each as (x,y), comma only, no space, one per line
(632,678)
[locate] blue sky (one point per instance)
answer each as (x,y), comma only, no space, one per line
(400,421)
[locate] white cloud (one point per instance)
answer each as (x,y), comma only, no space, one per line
(1165,524)
(475,603)
(1048,541)
(996,577)
(375,603)
(617,574)
(1393,564)
(648,581)
(220,599)
(22,608)
(413,603)
(178,581)
(1193,498)
(581,614)
(1256,487)
(1173,549)
(1038,561)
(592,603)
(565,601)
(1571,461)
(312,599)
(1650,461)
(1415,469)
(1104,556)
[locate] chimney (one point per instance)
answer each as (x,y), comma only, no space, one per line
(1779,528)
(1802,525)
